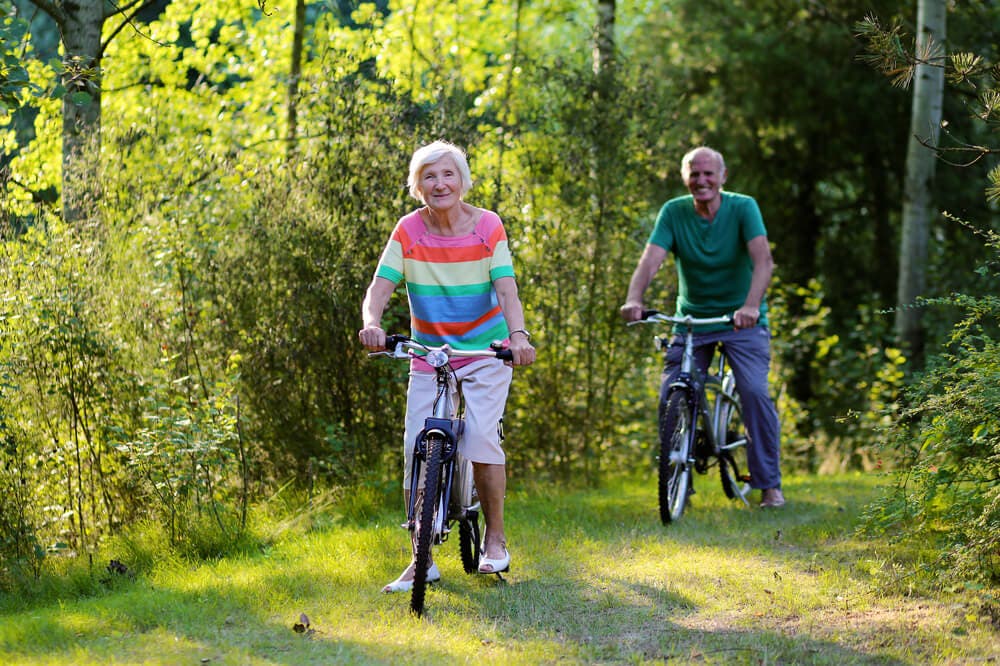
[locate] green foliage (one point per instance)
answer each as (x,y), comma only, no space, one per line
(856,382)
(588,177)
(948,490)
(14,78)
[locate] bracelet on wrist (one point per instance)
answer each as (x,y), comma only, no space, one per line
(527,335)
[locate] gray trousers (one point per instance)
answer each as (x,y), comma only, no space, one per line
(749,354)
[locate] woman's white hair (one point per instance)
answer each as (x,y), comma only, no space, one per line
(430,154)
(689,155)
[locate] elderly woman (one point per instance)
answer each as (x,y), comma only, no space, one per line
(454,260)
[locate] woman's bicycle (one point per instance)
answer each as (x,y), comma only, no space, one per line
(700,423)
(447,494)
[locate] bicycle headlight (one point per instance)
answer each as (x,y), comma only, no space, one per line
(436,358)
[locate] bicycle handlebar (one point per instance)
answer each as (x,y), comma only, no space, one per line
(402,346)
(687,320)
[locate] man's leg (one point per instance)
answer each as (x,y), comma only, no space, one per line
(749,353)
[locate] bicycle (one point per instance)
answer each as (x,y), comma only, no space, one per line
(700,423)
(434,508)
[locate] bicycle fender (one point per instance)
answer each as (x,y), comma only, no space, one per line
(442,427)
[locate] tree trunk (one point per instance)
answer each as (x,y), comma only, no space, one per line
(80,24)
(295,73)
(921,160)
(604,44)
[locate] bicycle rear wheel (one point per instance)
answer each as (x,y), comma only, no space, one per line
(676,439)
(468,540)
(733,467)
(426,520)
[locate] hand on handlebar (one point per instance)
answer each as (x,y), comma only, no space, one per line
(746,317)
(631,311)
(373,338)
(522,351)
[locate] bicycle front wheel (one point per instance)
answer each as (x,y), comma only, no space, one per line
(430,502)
(733,467)
(676,441)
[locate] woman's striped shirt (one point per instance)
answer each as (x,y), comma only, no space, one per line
(449,281)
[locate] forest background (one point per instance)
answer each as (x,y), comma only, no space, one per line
(190,219)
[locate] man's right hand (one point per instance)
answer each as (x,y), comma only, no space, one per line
(631,311)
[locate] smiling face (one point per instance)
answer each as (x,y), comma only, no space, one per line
(440,184)
(704,174)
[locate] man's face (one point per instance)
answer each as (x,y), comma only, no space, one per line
(705,177)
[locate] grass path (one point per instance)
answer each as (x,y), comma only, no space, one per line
(595,579)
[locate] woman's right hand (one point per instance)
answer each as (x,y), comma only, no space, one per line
(372,337)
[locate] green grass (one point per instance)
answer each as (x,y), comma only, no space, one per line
(595,579)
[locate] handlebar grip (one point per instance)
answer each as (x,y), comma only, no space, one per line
(505,355)
(392,340)
(646,314)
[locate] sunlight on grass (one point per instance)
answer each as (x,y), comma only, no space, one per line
(595,578)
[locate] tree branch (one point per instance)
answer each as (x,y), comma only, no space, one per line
(54,10)
(129,20)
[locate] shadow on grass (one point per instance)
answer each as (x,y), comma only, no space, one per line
(596,579)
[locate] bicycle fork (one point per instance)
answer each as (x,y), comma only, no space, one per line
(445,430)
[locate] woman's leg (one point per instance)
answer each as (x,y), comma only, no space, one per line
(485,385)
(491,484)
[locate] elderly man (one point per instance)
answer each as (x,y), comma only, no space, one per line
(724,265)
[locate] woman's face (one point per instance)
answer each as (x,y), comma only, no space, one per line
(441,184)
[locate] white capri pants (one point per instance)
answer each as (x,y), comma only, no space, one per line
(485,386)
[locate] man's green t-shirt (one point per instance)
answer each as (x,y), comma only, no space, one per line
(713,265)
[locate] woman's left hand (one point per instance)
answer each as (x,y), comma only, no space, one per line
(521,349)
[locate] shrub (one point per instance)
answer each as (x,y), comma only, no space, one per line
(947,490)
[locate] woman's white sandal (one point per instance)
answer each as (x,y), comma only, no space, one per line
(399,585)
(497,566)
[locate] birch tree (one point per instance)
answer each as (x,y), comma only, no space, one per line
(921,159)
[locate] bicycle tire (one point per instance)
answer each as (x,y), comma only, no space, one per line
(734,471)
(469,540)
(429,503)
(677,419)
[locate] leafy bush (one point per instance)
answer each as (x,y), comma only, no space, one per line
(947,490)
(855,380)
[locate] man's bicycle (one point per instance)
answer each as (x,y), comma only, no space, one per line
(700,423)
(442,492)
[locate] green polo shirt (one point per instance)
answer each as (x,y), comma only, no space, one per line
(713,264)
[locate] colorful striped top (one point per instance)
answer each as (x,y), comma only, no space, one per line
(449,282)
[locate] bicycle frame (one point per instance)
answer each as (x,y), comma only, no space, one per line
(709,400)
(700,384)
(429,514)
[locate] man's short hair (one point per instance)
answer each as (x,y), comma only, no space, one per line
(689,155)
